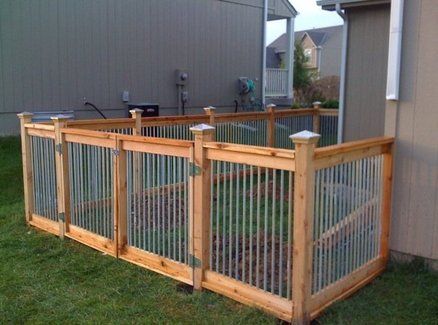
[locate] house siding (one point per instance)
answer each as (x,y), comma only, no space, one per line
(55,53)
(414,123)
(331,56)
(366,72)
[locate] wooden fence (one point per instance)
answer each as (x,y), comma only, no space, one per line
(287,231)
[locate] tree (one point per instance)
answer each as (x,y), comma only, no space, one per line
(302,76)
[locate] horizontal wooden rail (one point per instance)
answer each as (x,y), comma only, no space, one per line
(89,137)
(157,263)
(248,295)
(157,148)
(41,133)
(350,151)
(256,156)
(40,126)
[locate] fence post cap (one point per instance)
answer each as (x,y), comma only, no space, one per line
(317,104)
(306,137)
(202,129)
(24,114)
(209,109)
(136,111)
(271,107)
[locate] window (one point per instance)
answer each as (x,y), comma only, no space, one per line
(308,54)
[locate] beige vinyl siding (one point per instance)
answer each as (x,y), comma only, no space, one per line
(414,122)
(53,53)
(366,72)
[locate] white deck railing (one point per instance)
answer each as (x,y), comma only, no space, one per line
(276,82)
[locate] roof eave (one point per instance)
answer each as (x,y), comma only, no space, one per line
(331,4)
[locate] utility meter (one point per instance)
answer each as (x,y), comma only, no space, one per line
(181,77)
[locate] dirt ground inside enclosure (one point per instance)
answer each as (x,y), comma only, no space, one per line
(243,262)
(169,208)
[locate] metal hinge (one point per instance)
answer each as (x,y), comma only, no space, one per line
(58,148)
(194,170)
(61,216)
(116,152)
(194,261)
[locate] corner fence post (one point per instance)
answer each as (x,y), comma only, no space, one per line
(387,179)
(270,141)
(200,218)
(120,198)
(62,177)
(305,143)
(317,117)
(26,158)
(210,111)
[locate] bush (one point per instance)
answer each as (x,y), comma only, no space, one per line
(331,103)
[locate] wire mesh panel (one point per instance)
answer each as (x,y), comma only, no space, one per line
(285,126)
(328,130)
(244,132)
(91,188)
(251,225)
(346,219)
(44,177)
(177,131)
(158,204)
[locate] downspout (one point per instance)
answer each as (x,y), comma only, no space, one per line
(395,50)
(343,74)
(265,19)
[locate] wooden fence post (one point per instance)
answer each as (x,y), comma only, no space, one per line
(137,161)
(62,177)
(270,142)
(317,117)
(200,221)
(387,179)
(26,158)
(120,198)
(211,111)
(136,114)
(305,143)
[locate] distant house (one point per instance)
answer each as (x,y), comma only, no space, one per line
(391,78)
(322,46)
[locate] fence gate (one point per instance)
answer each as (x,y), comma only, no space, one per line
(90,180)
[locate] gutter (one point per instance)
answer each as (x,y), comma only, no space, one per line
(345,31)
(265,20)
(395,50)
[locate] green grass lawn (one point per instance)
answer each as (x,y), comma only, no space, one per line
(44,279)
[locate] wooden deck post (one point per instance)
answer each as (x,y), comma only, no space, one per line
(387,179)
(317,117)
(26,158)
(200,218)
(270,141)
(120,198)
(210,111)
(305,143)
(136,115)
(62,177)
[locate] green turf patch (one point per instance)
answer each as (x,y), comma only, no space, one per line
(47,280)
